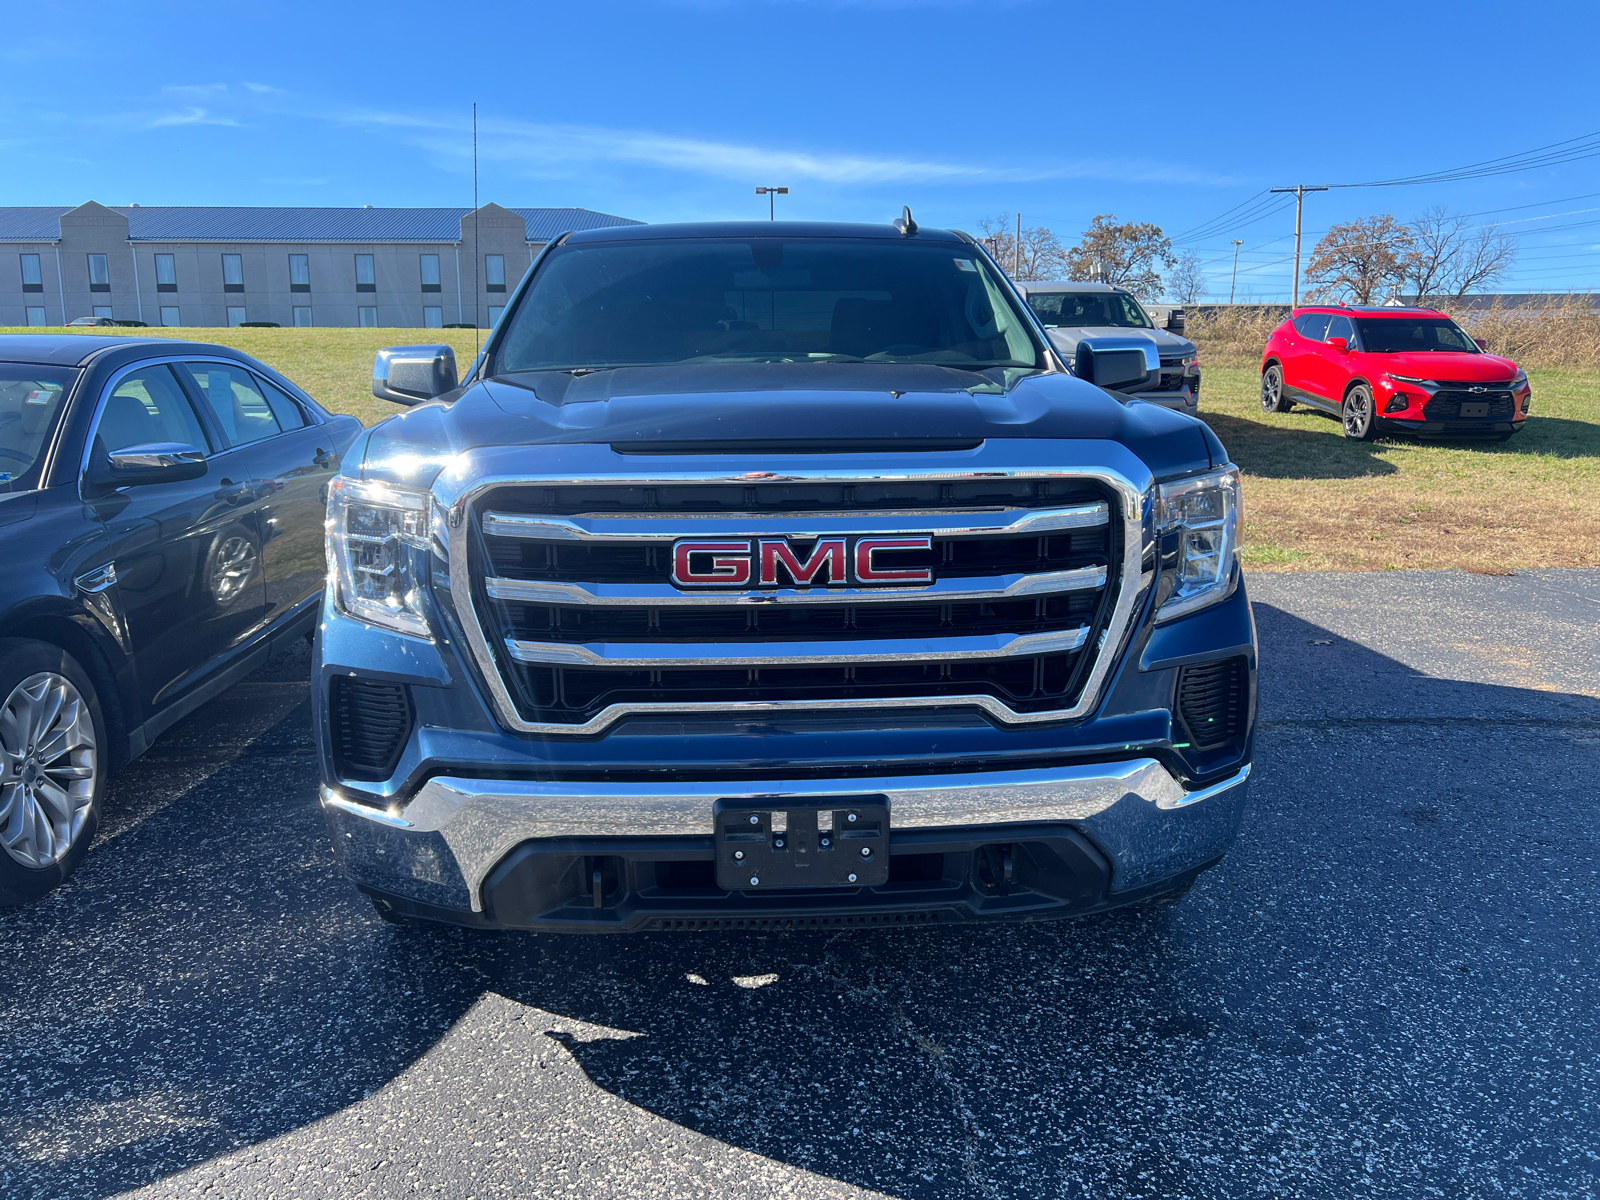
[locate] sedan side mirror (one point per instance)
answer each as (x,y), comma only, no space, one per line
(1483,343)
(1342,345)
(413,374)
(151,462)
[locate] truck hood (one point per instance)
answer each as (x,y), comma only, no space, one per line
(1456,368)
(1169,345)
(769,404)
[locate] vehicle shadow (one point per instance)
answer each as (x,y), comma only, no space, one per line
(209,982)
(1315,446)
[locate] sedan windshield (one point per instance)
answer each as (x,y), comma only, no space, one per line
(31,400)
(1088,309)
(1396,335)
(712,300)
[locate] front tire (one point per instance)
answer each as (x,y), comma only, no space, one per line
(1360,422)
(1272,397)
(53,763)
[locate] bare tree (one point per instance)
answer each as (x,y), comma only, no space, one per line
(1042,255)
(1126,255)
(1188,282)
(1360,260)
(1449,258)
(1485,257)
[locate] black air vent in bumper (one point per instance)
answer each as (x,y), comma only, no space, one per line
(371,722)
(1211,701)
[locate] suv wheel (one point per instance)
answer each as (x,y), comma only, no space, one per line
(1272,398)
(52,767)
(1359,421)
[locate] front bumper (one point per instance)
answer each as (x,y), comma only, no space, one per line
(604,857)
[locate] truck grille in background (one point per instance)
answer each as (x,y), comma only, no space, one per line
(1211,701)
(569,595)
(371,722)
(1446,405)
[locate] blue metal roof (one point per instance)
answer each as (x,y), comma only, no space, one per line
(299,224)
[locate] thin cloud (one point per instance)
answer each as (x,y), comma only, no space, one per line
(551,149)
(262,89)
(189,116)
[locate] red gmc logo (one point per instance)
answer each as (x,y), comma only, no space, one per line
(774,562)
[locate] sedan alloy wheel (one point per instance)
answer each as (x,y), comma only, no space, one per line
(49,766)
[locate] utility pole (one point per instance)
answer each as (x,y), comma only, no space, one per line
(1299,191)
(772,204)
(1016,251)
(1232,287)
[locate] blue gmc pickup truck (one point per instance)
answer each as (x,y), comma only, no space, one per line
(770,576)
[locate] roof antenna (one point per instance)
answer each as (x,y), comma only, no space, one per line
(904,223)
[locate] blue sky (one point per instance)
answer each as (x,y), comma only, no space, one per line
(676,110)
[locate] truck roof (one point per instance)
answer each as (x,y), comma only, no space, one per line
(753,229)
(1065,285)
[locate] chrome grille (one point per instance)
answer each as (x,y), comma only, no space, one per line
(576,614)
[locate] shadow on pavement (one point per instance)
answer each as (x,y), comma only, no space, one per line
(1388,987)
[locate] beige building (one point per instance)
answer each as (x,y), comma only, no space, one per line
(392,267)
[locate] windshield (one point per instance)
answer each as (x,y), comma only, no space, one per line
(1088,309)
(1395,335)
(31,399)
(710,300)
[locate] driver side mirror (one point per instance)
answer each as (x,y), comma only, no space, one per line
(1342,345)
(152,462)
(413,374)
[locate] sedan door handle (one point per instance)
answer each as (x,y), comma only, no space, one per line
(233,493)
(327,460)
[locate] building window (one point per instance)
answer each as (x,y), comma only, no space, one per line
(494,314)
(166,273)
(235,317)
(366,281)
(102,310)
(299,273)
(430,273)
(169,315)
(367,318)
(494,272)
(232,273)
(35,316)
(32,281)
(432,318)
(302,318)
(99,276)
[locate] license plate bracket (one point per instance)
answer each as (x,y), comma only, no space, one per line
(1474,408)
(769,843)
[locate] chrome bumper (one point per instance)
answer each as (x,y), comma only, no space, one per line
(1136,812)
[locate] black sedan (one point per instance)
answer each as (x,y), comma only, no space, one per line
(161,512)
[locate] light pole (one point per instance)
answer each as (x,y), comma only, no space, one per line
(1234,285)
(772,205)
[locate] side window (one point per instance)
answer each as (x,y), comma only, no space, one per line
(148,406)
(1340,327)
(242,411)
(287,412)
(1312,325)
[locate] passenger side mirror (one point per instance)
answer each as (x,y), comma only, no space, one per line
(413,374)
(1483,343)
(1175,320)
(1340,344)
(153,462)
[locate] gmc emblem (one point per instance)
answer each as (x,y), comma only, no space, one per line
(773,562)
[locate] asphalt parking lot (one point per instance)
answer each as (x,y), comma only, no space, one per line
(1390,988)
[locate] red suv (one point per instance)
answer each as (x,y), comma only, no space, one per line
(1400,370)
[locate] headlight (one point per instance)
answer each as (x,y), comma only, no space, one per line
(1404,378)
(1520,381)
(375,533)
(1192,361)
(1205,510)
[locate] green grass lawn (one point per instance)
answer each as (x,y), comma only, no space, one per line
(1312,499)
